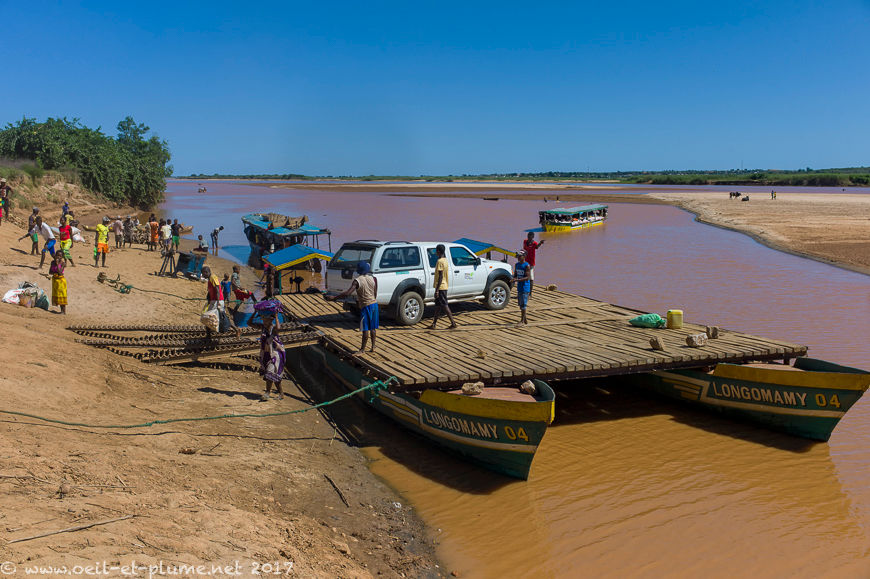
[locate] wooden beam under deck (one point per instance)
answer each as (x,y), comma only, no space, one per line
(568,337)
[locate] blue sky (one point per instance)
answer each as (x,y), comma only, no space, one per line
(339,88)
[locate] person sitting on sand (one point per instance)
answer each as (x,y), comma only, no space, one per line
(272,353)
(58,282)
(201,246)
(101,241)
(366,288)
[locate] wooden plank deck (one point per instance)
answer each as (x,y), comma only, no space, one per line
(568,337)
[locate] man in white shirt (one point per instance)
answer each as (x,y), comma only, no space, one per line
(41,228)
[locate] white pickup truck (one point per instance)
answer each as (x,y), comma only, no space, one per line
(405,271)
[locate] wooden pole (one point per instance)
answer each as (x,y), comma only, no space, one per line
(72,529)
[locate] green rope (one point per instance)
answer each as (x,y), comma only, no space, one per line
(373,388)
(125,289)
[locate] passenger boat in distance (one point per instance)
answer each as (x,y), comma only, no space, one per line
(572,218)
(271,232)
(500,429)
(806,400)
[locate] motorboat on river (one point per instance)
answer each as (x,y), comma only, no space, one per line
(268,233)
(573,218)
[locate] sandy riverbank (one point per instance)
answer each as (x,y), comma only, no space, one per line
(833,228)
(252,491)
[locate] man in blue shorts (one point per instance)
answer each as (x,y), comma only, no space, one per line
(522,275)
(366,287)
(41,228)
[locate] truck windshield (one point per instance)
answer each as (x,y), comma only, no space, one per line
(350,256)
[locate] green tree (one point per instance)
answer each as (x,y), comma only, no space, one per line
(128,168)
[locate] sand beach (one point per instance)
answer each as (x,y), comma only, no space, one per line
(243,492)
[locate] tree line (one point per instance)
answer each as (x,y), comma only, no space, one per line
(128,168)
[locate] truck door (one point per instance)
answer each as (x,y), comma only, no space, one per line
(465,273)
(396,265)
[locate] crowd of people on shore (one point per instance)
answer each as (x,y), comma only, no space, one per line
(59,239)
(165,235)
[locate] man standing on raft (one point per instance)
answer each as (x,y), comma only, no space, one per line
(366,287)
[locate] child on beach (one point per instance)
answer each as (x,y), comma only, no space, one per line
(34,238)
(227,286)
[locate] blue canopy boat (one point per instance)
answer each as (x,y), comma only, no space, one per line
(271,232)
(484,248)
(289,257)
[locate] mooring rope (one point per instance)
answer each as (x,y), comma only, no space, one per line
(373,388)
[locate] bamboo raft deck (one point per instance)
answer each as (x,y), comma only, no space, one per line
(568,337)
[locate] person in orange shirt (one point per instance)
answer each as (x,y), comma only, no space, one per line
(155,232)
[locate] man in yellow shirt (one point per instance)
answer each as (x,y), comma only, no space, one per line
(101,241)
(442,272)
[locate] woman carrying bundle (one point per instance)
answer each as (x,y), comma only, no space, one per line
(271,348)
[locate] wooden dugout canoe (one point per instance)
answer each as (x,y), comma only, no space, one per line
(499,430)
(806,400)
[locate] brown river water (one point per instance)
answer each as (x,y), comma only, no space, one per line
(624,483)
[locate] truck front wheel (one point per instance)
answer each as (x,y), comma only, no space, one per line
(409,310)
(497,295)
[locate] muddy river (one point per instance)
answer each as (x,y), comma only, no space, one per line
(625,483)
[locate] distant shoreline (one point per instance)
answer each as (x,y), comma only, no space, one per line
(826,227)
